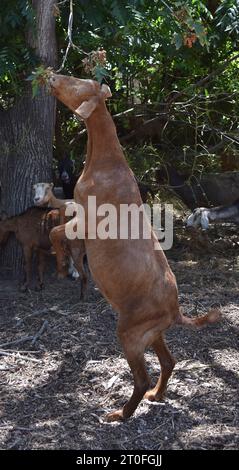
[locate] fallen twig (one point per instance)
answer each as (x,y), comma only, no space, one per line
(17,341)
(19,356)
(16,428)
(20,351)
(40,332)
(40,312)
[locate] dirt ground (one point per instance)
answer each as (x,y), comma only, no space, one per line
(56,387)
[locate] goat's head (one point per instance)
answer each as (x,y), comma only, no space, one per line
(199,218)
(66,169)
(81,96)
(42,193)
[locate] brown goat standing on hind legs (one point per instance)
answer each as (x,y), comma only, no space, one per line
(132,274)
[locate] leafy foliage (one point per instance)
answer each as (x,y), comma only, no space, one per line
(155,51)
(38,78)
(227,15)
(16,17)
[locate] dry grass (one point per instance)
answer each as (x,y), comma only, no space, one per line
(54,393)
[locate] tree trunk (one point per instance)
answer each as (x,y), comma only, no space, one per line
(59,143)
(26,136)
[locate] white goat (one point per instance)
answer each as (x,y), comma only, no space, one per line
(203,216)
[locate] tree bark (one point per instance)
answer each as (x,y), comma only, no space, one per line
(26,136)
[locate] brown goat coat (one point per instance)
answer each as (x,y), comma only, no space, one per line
(65,248)
(32,231)
(60,243)
(134,277)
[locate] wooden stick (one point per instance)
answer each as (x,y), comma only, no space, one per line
(26,358)
(20,351)
(40,332)
(17,341)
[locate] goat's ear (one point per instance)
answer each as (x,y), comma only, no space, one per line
(51,185)
(105,90)
(86,108)
(190,220)
(204,220)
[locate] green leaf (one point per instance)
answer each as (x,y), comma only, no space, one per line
(199,29)
(177,40)
(100,73)
(35,89)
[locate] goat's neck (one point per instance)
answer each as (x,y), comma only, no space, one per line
(103,144)
(55,203)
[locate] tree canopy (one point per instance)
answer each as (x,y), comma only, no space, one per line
(157,55)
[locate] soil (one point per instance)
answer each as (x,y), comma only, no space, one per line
(57,386)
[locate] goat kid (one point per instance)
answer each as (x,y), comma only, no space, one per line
(132,275)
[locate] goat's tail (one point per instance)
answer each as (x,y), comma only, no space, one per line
(213,316)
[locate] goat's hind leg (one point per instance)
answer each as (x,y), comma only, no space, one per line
(134,348)
(167,363)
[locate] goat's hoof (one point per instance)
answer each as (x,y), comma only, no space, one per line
(153,395)
(23,288)
(74,276)
(83,297)
(114,416)
(39,287)
(60,276)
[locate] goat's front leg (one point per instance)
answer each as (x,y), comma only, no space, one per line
(57,237)
(63,218)
(40,269)
(27,251)
(77,250)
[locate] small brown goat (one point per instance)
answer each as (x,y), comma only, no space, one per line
(133,274)
(32,230)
